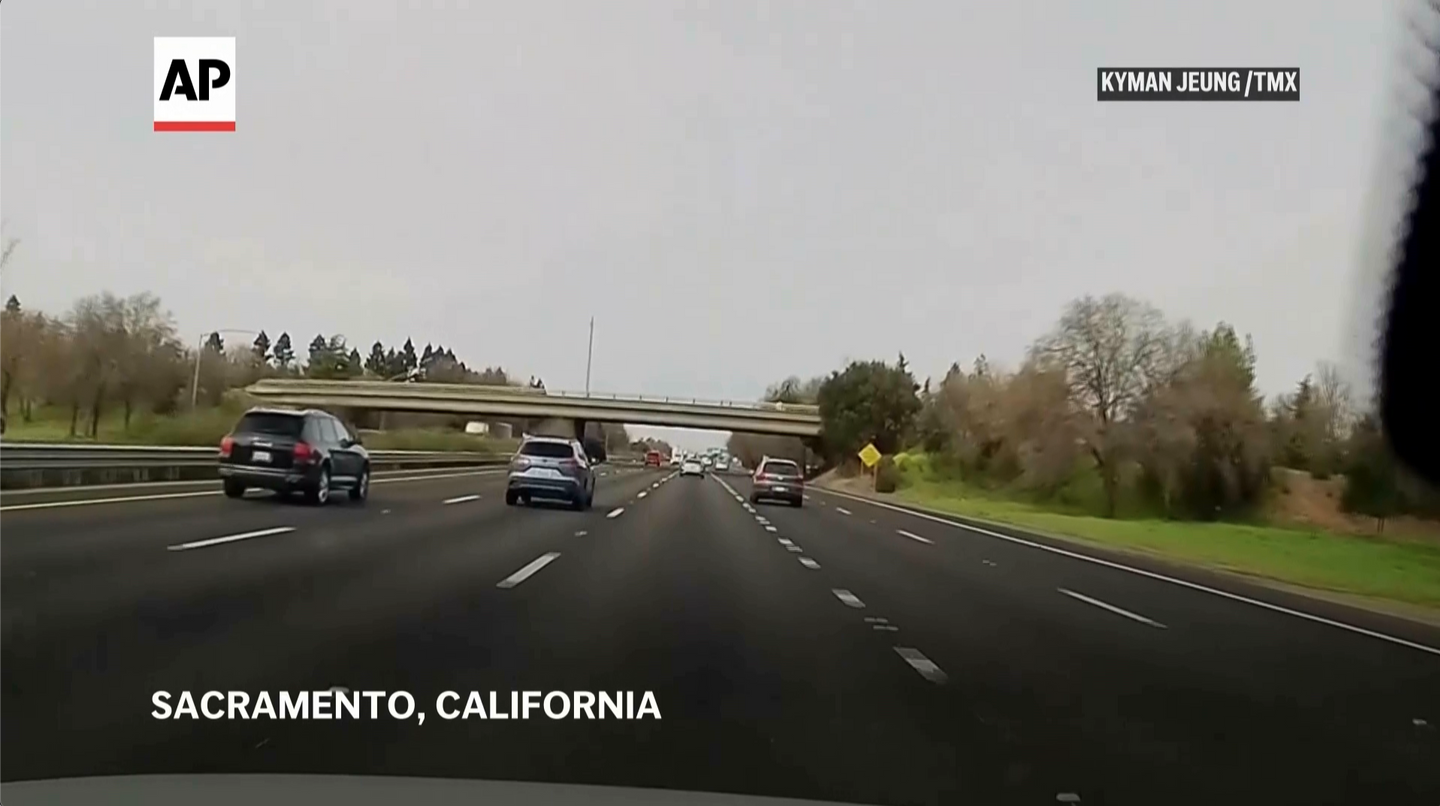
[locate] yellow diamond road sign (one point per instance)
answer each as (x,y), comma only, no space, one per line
(869,455)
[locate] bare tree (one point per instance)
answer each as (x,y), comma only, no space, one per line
(1336,401)
(21,333)
(1111,350)
(149,354)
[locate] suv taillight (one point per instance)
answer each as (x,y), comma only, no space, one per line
(227,444)
(303,452)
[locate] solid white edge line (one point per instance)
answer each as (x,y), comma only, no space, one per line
(921,664)
(461,499)
(615,513)
(1112,608)
(528,571)
(1150,574)
(215,541)
(914,536)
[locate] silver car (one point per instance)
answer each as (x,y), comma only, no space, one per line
(551,468)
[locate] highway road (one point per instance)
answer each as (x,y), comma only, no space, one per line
(845,651)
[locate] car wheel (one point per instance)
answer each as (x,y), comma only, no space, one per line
(234,489)
(754,499)
(797,503)
(361,490)
(319,495)
(511,498)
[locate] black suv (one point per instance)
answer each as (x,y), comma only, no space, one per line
(288,451)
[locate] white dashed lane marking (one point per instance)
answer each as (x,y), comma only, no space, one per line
(771,529)
(461,499)
(528,571)
(809,563)
(850,599)
(1112,608)
(921,664)
(842,511)
(215,541)
(914,536)
(642,494)
(615,513)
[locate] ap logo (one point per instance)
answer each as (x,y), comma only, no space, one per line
(194,84)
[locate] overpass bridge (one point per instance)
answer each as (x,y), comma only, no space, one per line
(559,412)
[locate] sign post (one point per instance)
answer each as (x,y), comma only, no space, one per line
(870,457)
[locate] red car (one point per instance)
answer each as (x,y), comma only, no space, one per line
(653,459)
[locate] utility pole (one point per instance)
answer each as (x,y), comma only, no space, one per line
(204,337)
(589,355)
(195,382)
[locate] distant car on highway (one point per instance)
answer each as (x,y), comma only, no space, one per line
(722,466)
(551,468)
(778,479)
(706,461)
(289,451)
(675,460)
(690,467)
(653,459)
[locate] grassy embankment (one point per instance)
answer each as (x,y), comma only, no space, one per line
(207,425)
(1402,568)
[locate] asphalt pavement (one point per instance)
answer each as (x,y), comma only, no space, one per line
(842,651)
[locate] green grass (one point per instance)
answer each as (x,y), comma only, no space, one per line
(208,425)
(1397,570)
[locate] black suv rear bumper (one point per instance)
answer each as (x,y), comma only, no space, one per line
(270,478)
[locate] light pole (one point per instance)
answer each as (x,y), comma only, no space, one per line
(589,354)
(200,350)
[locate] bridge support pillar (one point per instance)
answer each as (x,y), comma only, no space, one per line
(559,427)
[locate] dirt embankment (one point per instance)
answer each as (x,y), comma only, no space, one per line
(1300,500)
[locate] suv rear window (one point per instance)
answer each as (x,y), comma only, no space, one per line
(549,450)
(781,468)
(287,425)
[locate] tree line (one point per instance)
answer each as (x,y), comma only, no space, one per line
(108,354)
(1120,408)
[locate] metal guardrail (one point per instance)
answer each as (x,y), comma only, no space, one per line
(43,456)
(463,390)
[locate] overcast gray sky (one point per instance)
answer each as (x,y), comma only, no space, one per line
(737,191)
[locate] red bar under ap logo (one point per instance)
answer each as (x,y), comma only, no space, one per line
(194,84)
